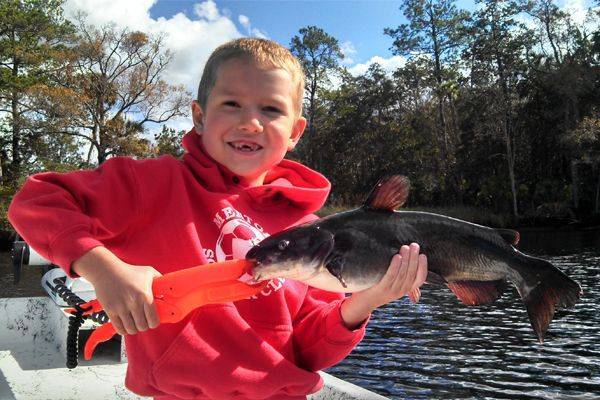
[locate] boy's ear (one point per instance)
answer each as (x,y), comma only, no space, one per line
(297,131)
(197,117)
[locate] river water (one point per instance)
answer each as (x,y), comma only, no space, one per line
(440,349)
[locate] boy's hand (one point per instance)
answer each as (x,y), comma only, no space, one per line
(405,275)
(124,290)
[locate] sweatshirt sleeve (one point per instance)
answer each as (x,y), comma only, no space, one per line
(320,337)
(64,215)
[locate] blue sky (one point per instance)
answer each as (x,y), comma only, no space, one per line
(192,29)
(358,22)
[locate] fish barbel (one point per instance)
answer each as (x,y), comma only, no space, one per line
(351,251)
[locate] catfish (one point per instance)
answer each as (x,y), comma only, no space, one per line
(350,251)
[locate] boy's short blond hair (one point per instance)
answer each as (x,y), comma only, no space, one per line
(266,53)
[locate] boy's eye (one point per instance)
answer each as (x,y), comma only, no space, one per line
(230,103)
(272,109)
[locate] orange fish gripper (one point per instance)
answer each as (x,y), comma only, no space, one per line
(178,293)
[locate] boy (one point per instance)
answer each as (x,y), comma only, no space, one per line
(129,221)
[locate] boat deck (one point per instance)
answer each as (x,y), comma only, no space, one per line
(32,360)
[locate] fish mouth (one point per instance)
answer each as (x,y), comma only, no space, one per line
(300,269)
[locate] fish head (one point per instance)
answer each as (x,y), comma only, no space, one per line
(297,253)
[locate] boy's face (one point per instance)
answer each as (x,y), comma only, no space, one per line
(250,119)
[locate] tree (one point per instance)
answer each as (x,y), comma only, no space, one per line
(371,135)
(584,142)
(33,42)
(113,86)
(560,89)
(434,30)
(495,53)
(551,31)
(319,53)
(168,141)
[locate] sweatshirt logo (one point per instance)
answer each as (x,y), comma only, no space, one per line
(238,233)
(235,239)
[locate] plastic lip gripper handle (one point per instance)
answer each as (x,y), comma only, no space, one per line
(178,293)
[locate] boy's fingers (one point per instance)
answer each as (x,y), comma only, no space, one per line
(139,318)
(401,275)
(151,315)
(414,260)
(422,271)
(128,323)
(393,269)
(414,295)
(408,269)
(117,323)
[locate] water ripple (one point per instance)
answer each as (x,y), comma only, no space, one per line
(441,349)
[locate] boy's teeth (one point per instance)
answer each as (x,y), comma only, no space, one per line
(245,146)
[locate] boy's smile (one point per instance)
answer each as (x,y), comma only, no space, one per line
(250,121)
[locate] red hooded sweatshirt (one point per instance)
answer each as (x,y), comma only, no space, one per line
(174,214)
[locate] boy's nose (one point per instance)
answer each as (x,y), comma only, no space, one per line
(250,122)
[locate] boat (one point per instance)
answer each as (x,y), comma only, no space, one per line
(34,353)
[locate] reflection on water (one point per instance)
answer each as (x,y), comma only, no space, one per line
(442,349)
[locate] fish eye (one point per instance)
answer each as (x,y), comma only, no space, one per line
(283,244)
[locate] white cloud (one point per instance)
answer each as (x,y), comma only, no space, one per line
(388,64)
(348,50)
(577,9)
(189,39)
(134,14)
(245,21)
(250,31)
(255,32)
(207,10)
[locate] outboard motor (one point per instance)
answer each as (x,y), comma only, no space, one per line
(64,291)
(54,279)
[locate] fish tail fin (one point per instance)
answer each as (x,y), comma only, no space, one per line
(543,288)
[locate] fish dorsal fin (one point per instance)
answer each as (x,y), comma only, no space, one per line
(509,235)
(477,292)
(390,193)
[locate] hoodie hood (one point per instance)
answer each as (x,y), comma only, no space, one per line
(288,182)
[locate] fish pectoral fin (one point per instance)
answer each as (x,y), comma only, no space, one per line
(335,266)
(477,292)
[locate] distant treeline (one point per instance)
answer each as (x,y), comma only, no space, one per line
(496,109)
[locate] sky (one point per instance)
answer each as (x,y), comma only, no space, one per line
(193,28)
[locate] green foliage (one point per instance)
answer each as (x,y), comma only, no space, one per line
(114,77)
(435,28)
(433,36)
(34,39)
(6,194)
(493,121)
(168,141)
(319,53)
(492,118)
